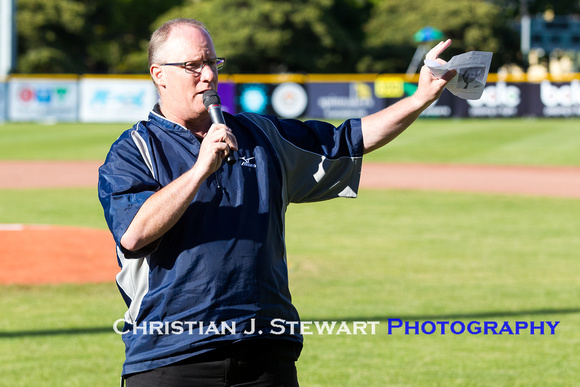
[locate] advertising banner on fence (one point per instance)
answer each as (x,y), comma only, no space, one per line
(43,100)
(442,108)
(116,100)
(498,100)
(227,93)
(284,100)
(289,100)
(342,100)
(254,98)
(560,99)
(505,100)
(545,99)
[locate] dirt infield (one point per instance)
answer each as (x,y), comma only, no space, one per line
(514,180)
(539,181)
(49,254)
(45,254)
(48,174)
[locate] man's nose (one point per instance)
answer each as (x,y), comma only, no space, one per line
(207,74)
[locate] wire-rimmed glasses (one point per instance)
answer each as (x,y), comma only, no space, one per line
(196,66)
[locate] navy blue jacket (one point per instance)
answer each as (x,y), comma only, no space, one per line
(222,267)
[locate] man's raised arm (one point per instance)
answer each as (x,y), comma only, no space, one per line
(382,127)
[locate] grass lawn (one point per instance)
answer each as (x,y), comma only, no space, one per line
(498,142)
(417,256)
(62,141)
(64,207)
(509,141)
(437,257)
(414,256)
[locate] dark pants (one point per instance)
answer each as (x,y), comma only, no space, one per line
(259,363)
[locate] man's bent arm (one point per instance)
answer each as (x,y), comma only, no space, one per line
(165,207)
(382,127)
(161,211)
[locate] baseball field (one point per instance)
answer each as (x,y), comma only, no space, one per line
(457,265)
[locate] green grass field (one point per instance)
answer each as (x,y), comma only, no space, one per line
(416,256)
(477,141)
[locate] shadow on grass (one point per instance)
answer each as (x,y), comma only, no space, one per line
(58,332)
(450,316)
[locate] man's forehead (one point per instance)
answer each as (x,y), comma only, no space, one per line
(188,43)
(190,35)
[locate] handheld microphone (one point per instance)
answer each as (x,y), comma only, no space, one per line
(212,103)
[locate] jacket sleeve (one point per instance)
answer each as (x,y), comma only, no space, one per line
(125,183)
(319,161)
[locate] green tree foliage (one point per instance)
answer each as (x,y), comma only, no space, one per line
(50,35)
(559,7)
(264,36)
(471,24)
(260,36)
(85,36)
(120,31)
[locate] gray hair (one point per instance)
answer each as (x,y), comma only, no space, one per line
(160,36)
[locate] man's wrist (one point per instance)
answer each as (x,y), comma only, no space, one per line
(419,102)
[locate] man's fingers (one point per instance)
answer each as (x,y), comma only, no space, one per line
(223,149)
(434,53)
(233,142)
(221,133)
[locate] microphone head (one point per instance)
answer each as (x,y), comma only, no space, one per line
(211,97)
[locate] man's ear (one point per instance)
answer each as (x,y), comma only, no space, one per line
(158,75)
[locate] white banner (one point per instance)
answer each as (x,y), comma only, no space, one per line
(116,100)
(42,100)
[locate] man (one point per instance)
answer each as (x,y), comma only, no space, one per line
(200,242)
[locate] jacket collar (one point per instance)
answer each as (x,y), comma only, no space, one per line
(156,116)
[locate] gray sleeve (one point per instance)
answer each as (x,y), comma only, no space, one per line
(312,175)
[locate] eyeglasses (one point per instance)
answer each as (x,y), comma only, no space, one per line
(195,66)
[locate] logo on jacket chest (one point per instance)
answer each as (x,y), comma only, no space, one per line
(247,161)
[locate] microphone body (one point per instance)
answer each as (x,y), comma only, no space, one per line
(215,112)
(212,103)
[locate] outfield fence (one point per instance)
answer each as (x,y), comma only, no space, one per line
(125,98)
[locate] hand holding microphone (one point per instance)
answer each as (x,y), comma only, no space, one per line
(212,103)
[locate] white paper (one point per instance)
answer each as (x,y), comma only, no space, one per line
(472,69)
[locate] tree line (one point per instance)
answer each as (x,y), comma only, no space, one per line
(267,36)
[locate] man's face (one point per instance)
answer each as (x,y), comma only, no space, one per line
(181,92)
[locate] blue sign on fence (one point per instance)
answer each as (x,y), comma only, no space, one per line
(342,100)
